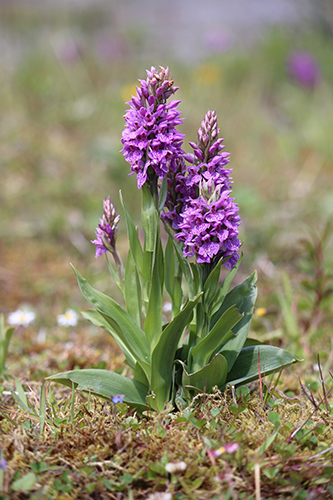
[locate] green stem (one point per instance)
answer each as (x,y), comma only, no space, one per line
(119,264)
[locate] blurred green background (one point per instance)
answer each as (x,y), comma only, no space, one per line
(66,70)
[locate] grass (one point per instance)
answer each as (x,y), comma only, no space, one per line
(61,124)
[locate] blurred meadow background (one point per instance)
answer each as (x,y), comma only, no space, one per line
(66,71)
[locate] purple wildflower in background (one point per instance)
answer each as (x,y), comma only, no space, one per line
(304,69)
(107,230)
(110,46)
(218,40)
(199,206)
(151,143)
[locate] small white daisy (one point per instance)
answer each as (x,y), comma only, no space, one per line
(68,319)
(174,467)
(21,317)
(160,495)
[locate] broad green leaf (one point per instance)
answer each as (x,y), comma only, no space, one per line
(210,285)
(177,298)
(140,376)
(133,337)
(199,322)
(104,383)
(214,373)
(153,322)
(148,261)
(133,238)
(25,483)
(163,355)
(149,219)
(202,352)
(132,290)
(246,367)
(244,297)
(113,329)
(223,289)
(173,277)
(250,342)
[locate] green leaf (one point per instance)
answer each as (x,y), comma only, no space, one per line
(104,383)
(210,285)
(132,336)
(21,392)
(112,328)
(25,483)
(140,376)
(202,352)
(244,297)
(163,355)
(267,443)
(132,290)
(173,277)
(249,342)
(214,373)
(149,219)
(133,238)
(182,262)
(223,289)
(153,322)
(114,275)
(197,280)
(246,367)
(170,267)
(177,298)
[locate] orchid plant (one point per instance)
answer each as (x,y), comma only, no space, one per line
(204,343)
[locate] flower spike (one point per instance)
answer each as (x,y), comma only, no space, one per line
(151,143)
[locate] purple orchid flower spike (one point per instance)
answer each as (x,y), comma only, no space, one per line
(151,143)
(106,230)
(199,207)
(106,234)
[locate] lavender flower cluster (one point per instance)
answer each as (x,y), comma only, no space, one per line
(107,230)
(198,205)
(151,142)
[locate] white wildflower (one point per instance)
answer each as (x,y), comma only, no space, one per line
(173,467)
(160,495)
(68,319)
(21,317)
